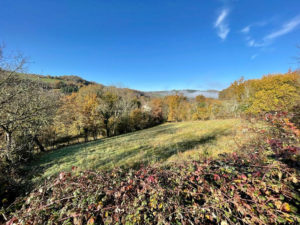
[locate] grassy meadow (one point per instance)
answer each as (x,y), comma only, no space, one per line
(169,142)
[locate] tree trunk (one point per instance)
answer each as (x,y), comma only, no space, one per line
(107,128)
(107,131)
(8,141)
(39,144)
(86,134)
(9,145)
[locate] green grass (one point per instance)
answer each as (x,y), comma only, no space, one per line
(169,142)
(37,78)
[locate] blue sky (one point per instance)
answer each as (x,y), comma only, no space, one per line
(154,44)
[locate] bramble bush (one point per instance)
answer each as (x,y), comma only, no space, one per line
(228,192)
(284,137)
(249,187)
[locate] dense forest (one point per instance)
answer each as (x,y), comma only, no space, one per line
(43,113)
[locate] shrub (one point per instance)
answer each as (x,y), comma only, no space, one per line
(233,190)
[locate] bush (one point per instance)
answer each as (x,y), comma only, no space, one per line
(233,190)
(284,137)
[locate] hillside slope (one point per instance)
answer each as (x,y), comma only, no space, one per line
(161,144)
(52,79)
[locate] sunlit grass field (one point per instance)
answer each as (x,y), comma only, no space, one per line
(37,78)
(169,142)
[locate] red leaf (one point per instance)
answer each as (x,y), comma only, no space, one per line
(244,177)
(216,177)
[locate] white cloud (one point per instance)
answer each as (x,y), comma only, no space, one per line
(253,43)
(254,56)
(221,17)
(220,24)
(286,28)
(249,27)
(246,29)
(267,40)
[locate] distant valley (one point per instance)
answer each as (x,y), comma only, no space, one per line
(187,93)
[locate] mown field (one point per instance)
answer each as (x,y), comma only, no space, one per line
(169,142)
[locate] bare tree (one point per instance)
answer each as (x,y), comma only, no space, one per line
(26,107)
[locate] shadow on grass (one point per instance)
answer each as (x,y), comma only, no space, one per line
(54,155)
(132,157)
(166,152)
(161,154)
(59,154)
(152,132)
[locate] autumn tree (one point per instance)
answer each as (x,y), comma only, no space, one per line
(102,110)
(271,93)
(274,93)
(128,101)
(67,119)
(88,104)
(200,100)
(109,108)
(202,108)
(158,110)
(178,107)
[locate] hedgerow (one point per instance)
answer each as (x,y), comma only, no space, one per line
(252,187)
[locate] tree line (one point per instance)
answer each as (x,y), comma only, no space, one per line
(34,117)
(274,92)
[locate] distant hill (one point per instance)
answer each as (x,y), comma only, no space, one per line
(53,79)
(187,93)
(70,83)
(65,83)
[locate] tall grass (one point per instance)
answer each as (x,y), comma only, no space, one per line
(170,142)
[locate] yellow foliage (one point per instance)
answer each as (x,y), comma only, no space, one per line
(178,108)
(271,93)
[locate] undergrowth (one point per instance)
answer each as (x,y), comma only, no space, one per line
(257,185)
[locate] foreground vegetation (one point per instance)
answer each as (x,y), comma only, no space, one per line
(162,144)
(257,185)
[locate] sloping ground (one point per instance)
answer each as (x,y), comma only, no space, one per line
(257,184)
(52,79)
(161,144)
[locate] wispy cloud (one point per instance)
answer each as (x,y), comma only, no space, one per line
(253,43)
(267,39)
(286,28)
(254,56)
(246,30)
(221,25)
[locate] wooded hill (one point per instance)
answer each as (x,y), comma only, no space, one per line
(72,83)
